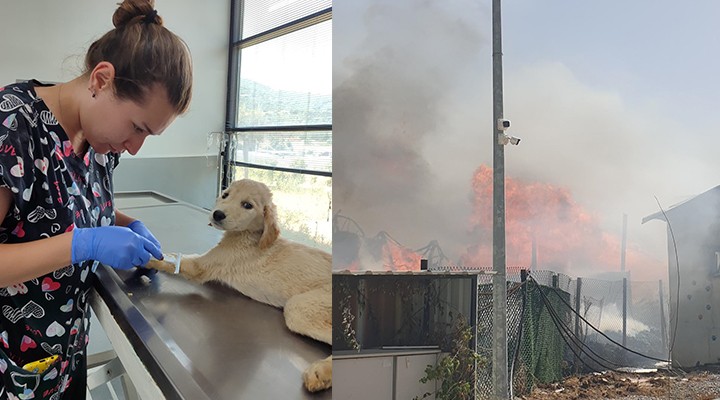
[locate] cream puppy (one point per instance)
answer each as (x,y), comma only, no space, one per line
(252,258)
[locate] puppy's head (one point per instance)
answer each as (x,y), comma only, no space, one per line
(246,206)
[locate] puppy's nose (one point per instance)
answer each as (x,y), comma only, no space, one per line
(218,215)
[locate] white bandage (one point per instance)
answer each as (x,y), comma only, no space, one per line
(177,263)
(176,260)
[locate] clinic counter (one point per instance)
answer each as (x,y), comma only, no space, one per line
(181,340)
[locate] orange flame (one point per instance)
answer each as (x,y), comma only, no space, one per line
(380,253)
(398,258)
(567,238)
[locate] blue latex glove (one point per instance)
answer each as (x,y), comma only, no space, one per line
(116,246)
(138,227)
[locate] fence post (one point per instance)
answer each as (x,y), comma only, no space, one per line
(521,324)
(474,307)
(624,341)
(533,257)
(663,328)
(578,293)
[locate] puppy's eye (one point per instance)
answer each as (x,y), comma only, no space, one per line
(225,195)
(246,205)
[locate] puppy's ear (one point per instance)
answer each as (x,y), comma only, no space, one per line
(271,231)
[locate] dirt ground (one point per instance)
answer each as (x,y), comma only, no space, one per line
(663,384)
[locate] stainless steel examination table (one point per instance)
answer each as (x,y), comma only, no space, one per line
(181,340)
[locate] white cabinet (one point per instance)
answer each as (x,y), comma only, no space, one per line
(363,378)
(381,374)
(408,371)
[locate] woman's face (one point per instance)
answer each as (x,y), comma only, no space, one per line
(113,125)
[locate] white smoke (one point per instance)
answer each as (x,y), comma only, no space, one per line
(413,120)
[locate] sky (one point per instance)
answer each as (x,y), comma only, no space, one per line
(269,63)
(614,101)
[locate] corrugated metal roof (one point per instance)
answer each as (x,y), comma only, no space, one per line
(662,216)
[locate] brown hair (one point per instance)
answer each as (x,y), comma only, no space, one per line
(144,53)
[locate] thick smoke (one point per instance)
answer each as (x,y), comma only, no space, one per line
(391,123)
(413,122)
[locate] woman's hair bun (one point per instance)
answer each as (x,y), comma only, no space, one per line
(136,11)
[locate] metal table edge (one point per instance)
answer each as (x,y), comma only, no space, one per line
(170,200)
(108,285)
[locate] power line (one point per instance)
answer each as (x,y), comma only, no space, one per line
(570,335)
(677,270)
(600,332)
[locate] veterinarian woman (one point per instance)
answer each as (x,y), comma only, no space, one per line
(58,148)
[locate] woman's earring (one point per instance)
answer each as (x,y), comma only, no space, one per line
(93,95)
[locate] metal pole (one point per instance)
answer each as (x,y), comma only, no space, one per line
(533,256)
(623,250)
(663,327)
(475,318)
(500,346)
(624,311)
(578,303)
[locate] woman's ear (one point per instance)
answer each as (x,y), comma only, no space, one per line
(101,77)
(271,231)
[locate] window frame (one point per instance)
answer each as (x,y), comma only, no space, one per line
(237,44)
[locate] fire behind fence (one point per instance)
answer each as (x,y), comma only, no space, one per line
(557,325)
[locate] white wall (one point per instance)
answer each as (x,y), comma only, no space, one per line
(47,40)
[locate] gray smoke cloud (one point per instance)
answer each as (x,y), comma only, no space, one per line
(412,120)
(389,119)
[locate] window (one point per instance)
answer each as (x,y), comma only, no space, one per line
(279,117)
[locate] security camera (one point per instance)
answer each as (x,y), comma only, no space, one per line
(504,139)
(503,124)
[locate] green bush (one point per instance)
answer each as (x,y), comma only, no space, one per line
(455,373)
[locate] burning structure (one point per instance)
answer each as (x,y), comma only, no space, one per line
(546,229)
(694,267)
(353,251)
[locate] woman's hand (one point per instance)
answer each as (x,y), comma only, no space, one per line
(138,227)
(116,246)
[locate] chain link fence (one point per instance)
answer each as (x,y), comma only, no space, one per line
(557,325)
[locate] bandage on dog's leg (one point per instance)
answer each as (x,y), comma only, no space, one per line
(177,263)
(176,259)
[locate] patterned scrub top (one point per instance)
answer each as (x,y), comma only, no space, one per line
(54,190)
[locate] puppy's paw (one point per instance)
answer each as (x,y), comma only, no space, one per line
(318,376)
(161,265)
